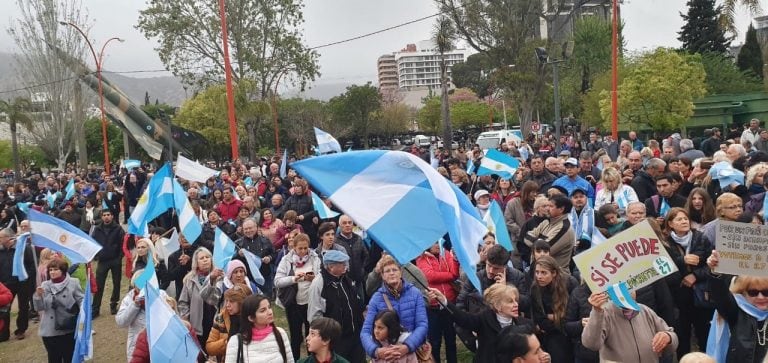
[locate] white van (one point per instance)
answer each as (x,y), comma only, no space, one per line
(492,139)
(421,140)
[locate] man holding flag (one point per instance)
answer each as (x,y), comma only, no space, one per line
(21,286)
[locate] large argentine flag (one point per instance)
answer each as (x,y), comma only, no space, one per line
(168,337)
(60,236)
(326,143)
(193,171)
(499,163)
(403,203)
(157,198)
(188,222)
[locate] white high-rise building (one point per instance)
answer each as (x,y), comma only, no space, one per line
(418,66)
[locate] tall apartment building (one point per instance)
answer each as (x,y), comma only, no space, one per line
(417,66)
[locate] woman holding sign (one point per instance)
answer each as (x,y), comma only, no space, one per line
(689,250)
(743,316)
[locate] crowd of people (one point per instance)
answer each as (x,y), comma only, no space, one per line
(348,300)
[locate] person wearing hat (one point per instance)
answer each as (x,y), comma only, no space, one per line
(227,320)
(582,218)
(332,295)
(482,202)
(571,180)
(565,154)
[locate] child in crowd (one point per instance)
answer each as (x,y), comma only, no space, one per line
(608,220)
(323,334)
(388,332)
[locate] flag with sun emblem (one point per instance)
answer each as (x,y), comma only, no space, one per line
(620,296)
(498,163)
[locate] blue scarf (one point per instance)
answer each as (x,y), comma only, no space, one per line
(583,223)
(720,333)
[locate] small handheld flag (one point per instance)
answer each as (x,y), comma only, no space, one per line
(620,296)
(83,337)
(326,143)
(70,190)
(498,163)
(284,164)
(223,249)
(18,269)
(167,337)
(494,219)
(254,264)
(322,209)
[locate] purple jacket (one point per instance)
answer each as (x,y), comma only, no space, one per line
(755,204)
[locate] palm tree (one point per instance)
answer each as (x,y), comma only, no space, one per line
(16,113)
(728,13)
(445,35)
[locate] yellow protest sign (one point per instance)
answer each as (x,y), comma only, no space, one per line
(635,256)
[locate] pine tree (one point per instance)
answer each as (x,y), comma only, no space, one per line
(701,32)
(750,58)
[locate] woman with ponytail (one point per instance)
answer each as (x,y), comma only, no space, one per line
(259,341)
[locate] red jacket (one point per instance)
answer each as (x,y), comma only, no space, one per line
(440,272)
(6,298)
(229,210)
(141,351)
(128,255)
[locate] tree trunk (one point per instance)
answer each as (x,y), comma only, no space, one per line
(15,151)
(445,106)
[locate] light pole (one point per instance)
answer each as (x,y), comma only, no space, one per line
(98,60)
(543,58)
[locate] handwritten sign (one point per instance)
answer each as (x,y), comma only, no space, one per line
(743,248)
(635,256)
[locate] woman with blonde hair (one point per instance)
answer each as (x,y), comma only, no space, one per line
(755,177)
(614,192)
(729,208)
(501,311)
(743,316)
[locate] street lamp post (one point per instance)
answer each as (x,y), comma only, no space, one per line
(544,59)
(98,60)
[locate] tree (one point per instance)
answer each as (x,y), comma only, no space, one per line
(723,76)
(469,113)
(750,58)
(429,115)
(206,113)
(658,92)
(507,32)
(92,130)
(472,74)
(394,118)
(444,34)
(701,32)
(16,112)
(356,109)
(39,36)
(297,116)
(728,13)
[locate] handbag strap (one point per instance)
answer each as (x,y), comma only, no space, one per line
(386,300)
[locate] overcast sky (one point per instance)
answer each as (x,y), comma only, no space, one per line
(649,23)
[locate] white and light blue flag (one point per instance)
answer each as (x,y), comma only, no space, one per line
(148,276)
(498,163)
(223,249)
(583,223)
(326,143)
(58,235)
(619,294)
(284,164)
(323,211)
(494,220)
(69,189)
(597,237)
(404,204)
(188,222)
(51,199)
(156,200)
(171,244)
(254,264)
(168,338)
(192,171)
(18,269)
(131,164)
(83,335)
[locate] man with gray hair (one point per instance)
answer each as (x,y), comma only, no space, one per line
(688,151)
(735,151)
(644,182)
(752,134)
(23,289)
(255,243)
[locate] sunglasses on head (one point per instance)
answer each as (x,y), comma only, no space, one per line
(754,292)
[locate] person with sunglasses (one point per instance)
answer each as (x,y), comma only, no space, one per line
(744,315)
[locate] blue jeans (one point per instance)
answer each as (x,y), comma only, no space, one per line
(441,326)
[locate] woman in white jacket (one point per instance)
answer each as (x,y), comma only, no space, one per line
(298,268)
(613,191)
(259,341)
(131,314)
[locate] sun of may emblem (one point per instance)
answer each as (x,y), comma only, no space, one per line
(498,166)
(63,239)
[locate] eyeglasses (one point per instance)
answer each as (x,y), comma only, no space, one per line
(754,292)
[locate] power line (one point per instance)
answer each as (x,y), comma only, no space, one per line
(375,32)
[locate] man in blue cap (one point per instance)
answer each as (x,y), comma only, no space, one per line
(332,295)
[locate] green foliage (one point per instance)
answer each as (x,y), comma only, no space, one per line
(264,40)
(723,76)
(27,154)
(94,141)
(469,113)
(429,118)
(473,74)
(659,91)
(591,50)
(206,113)
(296,117)
(355,109)
(750,59)
(394,118)
(728,13)
(153,110)
(701,32)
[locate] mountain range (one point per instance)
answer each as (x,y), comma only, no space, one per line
(166,89)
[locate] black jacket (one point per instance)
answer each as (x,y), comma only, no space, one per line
(644,185)
(579,308)
(177,271)
(487,327)
(358,256)
(342,303)
(110,237)
(259,246)
(6,266)
(652,207)
(743,347)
